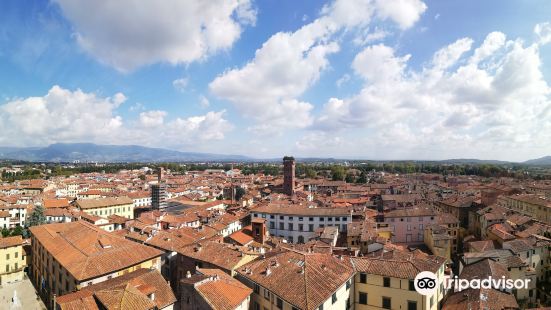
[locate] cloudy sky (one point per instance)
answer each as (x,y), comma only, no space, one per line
(373,79)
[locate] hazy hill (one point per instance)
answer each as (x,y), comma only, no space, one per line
(89,152)
(543,161)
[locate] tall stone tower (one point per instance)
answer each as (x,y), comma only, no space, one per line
(289,175)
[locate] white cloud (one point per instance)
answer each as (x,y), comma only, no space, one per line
(283,69)
(343,80)
(59,115)
(377,63)
(493,42)
(180,84)
(267,88)
(404,12)
(63,115)
(138,106)
(481,103)
(448,56)
(367,36)
(211,126)
(204,101)
(543,32)
(126,35)
(290,113)
(318,140)
(151,119)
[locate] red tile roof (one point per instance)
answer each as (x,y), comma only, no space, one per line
(129,291)
(223,293)
(88,251)
(480,299)
(7,242)
(303,280)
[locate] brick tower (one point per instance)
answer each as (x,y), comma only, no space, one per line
(289,175)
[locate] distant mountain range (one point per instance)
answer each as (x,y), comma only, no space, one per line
(543,161)
(475,161)
(89,152)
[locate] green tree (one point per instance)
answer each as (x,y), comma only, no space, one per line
(5,232)
(18,231)
(349,178)
(310,172)
(362,179)
(37,216)
(239,192)
(338,173)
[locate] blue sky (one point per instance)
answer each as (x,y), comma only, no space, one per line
(374,79)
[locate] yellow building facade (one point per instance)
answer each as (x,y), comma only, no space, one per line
(103,207)
(531,205)
(389,284)
(12,259)
(438,241)
(69,256)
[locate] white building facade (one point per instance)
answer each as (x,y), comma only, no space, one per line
(299,225)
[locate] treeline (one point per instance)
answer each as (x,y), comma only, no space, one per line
(357,172)
(26,174)
(484,170)
(351,172)
(107,168)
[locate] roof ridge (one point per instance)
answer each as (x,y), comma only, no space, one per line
(305,283)
(207,300)
(78,249)
(235,283)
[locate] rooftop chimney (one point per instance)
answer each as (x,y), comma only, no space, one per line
(259,231)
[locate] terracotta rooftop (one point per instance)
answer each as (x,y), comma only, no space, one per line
(446,218)
(219,254)
(480,299)
(481,246)
(400,266)
(484,269)
(533,199)
(518,245)
(173,239)
(104,202)
(55,203)
(7,242)
(129,291)
(223,293)
(88,251)
(274,208)
(501,231)
(416,211)
(303,280)
(241,238)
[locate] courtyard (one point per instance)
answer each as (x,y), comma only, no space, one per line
(26,296)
